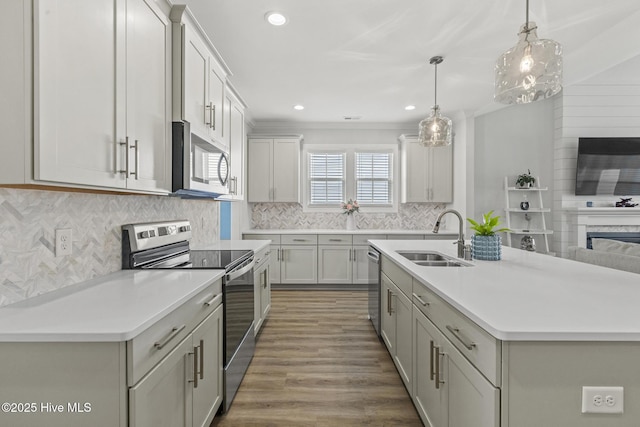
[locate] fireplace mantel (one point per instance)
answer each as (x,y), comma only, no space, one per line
(581,218)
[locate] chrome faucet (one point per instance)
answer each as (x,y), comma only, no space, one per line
(460,241)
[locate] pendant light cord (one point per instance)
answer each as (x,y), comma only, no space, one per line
(435,87)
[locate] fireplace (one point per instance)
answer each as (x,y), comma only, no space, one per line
(623,236)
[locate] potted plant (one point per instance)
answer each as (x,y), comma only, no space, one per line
(525,180)
(486,244)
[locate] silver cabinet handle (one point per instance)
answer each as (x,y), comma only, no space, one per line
(209,108)
(195,367)
(299,240)
(264,273)
(213,300)
(456,333)
(174,332)
(137,159)
(126,158)
(213,114)
(432,372)
(420,300)
(201,359)
(391,295)
(389,301)
(335,240)
(437,367)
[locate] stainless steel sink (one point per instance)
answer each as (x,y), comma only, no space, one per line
(432,259)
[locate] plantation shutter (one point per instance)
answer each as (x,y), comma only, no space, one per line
(326,178)
(373,178)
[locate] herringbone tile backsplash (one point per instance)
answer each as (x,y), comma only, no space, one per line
(29,218)
(411,216)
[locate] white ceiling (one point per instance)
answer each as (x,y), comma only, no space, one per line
(370,58)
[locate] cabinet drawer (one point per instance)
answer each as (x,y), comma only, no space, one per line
(299,239)
(262,256)
(361,239)
(405,236)
(152,345)
(334,239)
(275,238)
(398,276)
(477,345)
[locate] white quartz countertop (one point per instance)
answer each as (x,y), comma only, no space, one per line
(341,231)
(115,307)
(531,297)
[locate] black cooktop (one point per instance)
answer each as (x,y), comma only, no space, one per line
(217,259)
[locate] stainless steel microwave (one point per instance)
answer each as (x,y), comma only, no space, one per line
(200,165)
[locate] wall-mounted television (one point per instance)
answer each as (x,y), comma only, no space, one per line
(608,166)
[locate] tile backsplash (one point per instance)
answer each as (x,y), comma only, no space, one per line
(29,218)
(410,216)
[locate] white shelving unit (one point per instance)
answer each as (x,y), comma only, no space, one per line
(526,222)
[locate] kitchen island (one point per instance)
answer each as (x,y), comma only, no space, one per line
(512,342)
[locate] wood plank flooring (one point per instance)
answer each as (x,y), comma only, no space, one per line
(318,362)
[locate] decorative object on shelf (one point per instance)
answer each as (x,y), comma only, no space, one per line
(524,204)
(486,244)
(528,243)
(435,130)
(525,180)
(626,203)
(349,208)
(529,71)
(589,204)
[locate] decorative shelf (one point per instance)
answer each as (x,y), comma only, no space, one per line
(527,189)
(532,223)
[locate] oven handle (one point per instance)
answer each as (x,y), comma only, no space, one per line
(234,274)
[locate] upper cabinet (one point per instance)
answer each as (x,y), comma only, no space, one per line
(274,169)
(199,77)
(235,135)
(427,173)
(101,94)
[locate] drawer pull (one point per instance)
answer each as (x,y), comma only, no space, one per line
(212,301)
(335,240)
(421,301)
(432,373)
(456,333)
(174,333)
(299,240)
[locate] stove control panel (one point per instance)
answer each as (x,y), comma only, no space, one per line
(154,234)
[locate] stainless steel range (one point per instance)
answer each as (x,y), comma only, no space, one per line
(166,245)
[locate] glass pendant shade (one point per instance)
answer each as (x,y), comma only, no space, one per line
(435,130)
(529,71)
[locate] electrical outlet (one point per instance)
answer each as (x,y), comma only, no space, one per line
(602,400)
(63,242)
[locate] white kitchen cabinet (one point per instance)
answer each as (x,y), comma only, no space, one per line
(234,133)
(262,285)
(298,258)
(427,173)
(199,75)
(396,327)
(102,101)
(274,169)
(335,259)
(274,254)
(360,269)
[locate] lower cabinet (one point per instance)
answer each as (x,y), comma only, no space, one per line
(262,286)
(360,262)
(396,328)
(335,264)
(298,264)
(448,389)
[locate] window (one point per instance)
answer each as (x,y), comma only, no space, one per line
(373,178)
(334,173)
(326,178)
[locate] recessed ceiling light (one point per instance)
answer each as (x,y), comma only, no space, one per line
(298,107)
(275,18)
(410,107)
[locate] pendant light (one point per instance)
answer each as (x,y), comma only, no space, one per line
(435,130)
(529,71)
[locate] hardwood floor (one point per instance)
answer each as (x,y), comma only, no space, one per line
(318,362)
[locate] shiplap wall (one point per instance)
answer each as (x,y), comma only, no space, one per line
(607,105)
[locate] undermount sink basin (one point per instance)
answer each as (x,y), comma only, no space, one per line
(431,259)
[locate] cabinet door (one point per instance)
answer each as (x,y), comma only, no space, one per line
(360,265)
(298,264)
(164,396)
(441,175)
(196,72)
(148,96)
(402,308)
(216,100)
(387,317)
(286,162)
(78,92)
(207,395)
(334,264)
(274,264)
(237,150)
(430,402)
(259,170)
(472,400)
(265,293)
(415,175)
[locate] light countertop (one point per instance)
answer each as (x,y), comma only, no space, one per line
(234,245)
(115,307)
(372,231)
(531,297)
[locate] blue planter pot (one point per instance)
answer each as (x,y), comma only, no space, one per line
(487,248)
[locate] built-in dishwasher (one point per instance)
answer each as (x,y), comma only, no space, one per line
(374,287)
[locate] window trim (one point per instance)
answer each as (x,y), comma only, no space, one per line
(350,179)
